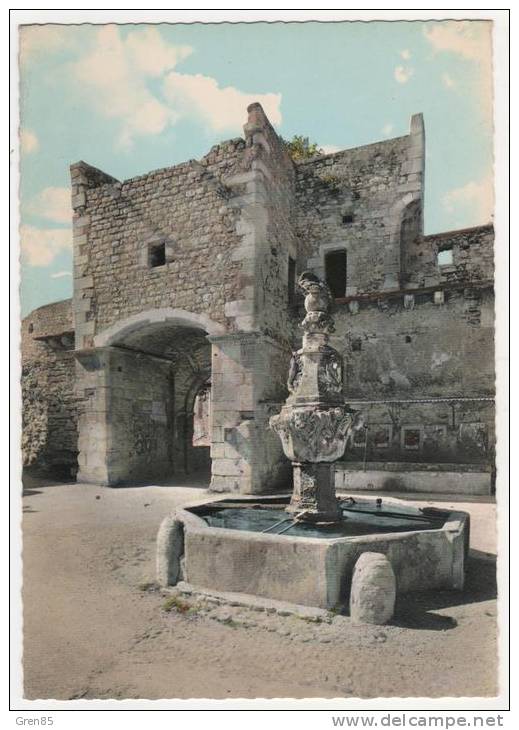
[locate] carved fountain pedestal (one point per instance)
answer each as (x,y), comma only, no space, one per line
(315,424)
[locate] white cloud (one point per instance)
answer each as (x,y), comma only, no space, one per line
(222,108)
(52,204)
(466,38)
(38,40)
(60,274)
(151,54)
(114,75)
(329,149)
(472,41)
(405,54)
(28,141)
(403,74)
(387,129)
(448,81)
(40,246)
(475,200)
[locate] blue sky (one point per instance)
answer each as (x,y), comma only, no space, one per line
(132,98)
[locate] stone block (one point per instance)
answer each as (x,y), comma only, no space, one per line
(170,548)
(79,200)
(227,467)
(373,590)
(84,282)
(246,324)
(217,450)
(246,398)
(239,307)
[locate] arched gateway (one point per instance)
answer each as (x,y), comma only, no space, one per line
(166,393)
(137,421)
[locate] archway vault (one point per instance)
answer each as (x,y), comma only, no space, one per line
(118,332)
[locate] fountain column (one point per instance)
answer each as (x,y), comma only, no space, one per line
(315,424)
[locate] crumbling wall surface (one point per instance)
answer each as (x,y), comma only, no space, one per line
(424,366)
(117,226)
(49,414)
(472,257)
(357,200)
(428,349)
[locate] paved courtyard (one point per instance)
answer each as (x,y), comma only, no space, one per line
(96,627)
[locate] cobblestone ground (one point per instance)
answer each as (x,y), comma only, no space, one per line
(96,625)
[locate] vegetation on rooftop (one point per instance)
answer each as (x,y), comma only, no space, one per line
(300,148)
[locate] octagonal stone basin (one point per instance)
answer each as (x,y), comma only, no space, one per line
(251,546)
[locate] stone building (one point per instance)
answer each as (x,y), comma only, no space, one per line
(185,313)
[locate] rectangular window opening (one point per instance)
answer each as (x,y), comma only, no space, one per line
(335,272)
(445,257)
(157,255)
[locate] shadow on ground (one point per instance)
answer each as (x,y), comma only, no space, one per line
(416,610)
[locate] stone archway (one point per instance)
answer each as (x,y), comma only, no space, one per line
(166,315)
(392,252)
(140,382)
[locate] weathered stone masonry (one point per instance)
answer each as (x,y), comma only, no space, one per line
(49,412)
(184,281)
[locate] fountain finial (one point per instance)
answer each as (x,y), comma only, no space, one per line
(318,303)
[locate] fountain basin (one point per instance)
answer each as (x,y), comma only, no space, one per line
(220,545)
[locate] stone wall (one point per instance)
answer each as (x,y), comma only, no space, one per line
(206,244)
(417,311)
(49,415)
(472,257)
(357,200)
(118,226)
(425,348)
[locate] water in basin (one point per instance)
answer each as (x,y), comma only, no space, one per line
(359,518)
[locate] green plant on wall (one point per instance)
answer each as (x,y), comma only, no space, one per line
(300,148)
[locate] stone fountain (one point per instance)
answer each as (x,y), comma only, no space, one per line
(315,424)
(249,546)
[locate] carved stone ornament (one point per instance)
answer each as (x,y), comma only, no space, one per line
(330,372)
(295,371)
(318,296)
(310,435)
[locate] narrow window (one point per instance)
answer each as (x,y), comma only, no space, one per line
(445,257)
(356,345)
(347,219)
(291,280)
(157,255)
(201,417)
(335,272)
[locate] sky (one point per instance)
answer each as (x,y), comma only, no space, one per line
(132,98)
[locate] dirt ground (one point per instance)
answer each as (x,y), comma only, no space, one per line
(96,627)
